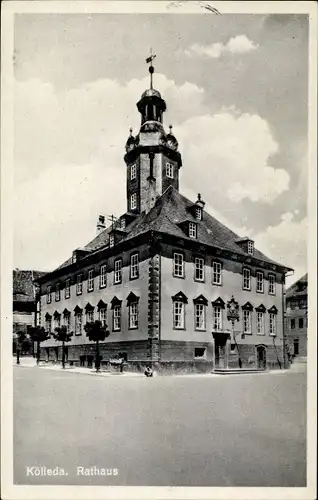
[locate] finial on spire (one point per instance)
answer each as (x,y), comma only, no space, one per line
(130,131)
(151,68)
(199,196)
(170,128)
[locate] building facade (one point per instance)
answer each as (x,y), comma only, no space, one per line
(296,317)
(162,274)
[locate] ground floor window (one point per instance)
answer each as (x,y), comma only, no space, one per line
(116,318)
(103,316)
(217,318)
(272,324)
(78,324)
(90,316)
(199,313)
(133,315)
(247,321)
(260,323)
(178,315)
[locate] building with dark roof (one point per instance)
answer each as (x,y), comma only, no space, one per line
(296,317)
(25,298)
(162,274)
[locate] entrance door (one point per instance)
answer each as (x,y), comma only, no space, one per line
(296,347)
(261,357)
(220,351)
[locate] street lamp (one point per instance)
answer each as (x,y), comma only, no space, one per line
(233,315)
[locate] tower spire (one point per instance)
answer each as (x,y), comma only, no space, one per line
(151,68)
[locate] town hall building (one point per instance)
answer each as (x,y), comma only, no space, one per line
(162,276)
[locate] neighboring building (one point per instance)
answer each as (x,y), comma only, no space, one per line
(161,275)
(24,300)
(296,317)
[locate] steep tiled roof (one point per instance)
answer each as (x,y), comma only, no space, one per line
(23,288)
(170,211)
(300,287)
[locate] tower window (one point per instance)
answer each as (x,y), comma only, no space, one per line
(198,213)
(133,171)
(192,230)
(133,201)
(169,170)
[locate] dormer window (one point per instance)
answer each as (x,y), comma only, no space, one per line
(250,247)
(192,230)
(111,240)
(122,223)
(169,170)
(198,213)
(133,172)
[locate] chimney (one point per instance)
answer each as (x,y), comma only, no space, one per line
(100,224)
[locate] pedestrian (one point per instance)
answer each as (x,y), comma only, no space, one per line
(148,371)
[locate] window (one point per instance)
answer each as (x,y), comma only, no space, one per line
(260,282)
(246,279)
(233,349)
(216,273)
(78,323)
(247,321)
(111,240)
(178,265)
(79,284)
(103,316)
(303,304)
(198,213)
(122,223)
(192,230)
(67,322)
(199,269)
(133,201)
(116,318)
(169,170)
(200,352)
(133,315)
(134,266)
(57,322)
(272,324)
(199,316)
(292,323)
(293,304)
(48,325)
(178,315)
(90,316)
(133,172)
(103,277)
(271,284)
(217,318)
(118,271)
(57,292)
(250,247)
(260,323)
(48,295)
(301,323)
(90,281)
(67,289)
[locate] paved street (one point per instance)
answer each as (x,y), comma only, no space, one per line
(245,430)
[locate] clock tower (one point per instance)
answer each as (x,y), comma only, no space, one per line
(152,157)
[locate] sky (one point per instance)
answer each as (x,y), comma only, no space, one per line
(236,94)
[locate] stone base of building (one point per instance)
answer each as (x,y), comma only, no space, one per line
(170,357)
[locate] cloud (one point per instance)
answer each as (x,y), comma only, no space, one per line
(232,150)
(239,44)
(286,242)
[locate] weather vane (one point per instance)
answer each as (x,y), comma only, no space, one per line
(151,68)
